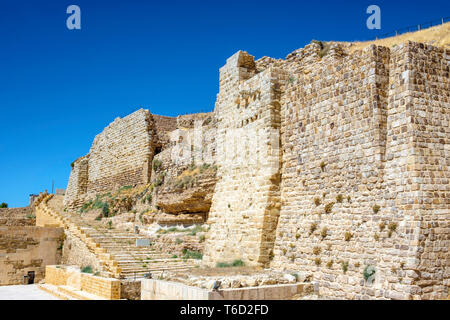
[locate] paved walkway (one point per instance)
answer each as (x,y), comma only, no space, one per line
(28,292)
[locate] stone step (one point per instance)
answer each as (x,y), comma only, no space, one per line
(124,264)
(112,238)
(112,246)
(113,234)
(78,294)
(131,274)
(53,290)
(127,242)
(130,252)
(142,273)
(149,253)
(126,249)
(117,250)
(137,259)
(142,258)
(161,266)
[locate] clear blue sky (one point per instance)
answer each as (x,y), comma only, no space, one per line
(59,88)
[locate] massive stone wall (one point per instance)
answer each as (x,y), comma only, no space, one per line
(25,249)
(424,72)
(121,155)
(363,180)
(118,153)
(246,204)
(333,119)
(357,138)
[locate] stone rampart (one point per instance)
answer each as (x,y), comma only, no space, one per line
(361,187)
(121,155)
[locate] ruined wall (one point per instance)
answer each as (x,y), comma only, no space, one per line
(118,153)
(78,181)
(121,155)
(187,168)
(24,249)
(162,128)
(245,204)
(17,217)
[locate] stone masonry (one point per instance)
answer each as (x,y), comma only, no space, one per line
(121,155)
(365,172)
(26,249)
(246,201)
(329,163)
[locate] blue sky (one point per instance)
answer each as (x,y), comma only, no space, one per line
(60,87)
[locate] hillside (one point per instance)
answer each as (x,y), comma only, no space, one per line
(438,36)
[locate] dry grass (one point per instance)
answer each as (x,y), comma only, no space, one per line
(189,173)
(439,34)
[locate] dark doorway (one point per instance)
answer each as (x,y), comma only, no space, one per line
(30,277)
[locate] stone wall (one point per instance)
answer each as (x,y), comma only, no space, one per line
(165,290)
(78,181)
(17,217)
(121,155)
(246,205)
(163,126)
(423,72)
(107,288)
(118,153)
(328,163)
(332,142)
(75,252)
(363,178)
(357,138)
(24,249)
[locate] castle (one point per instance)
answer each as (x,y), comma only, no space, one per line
(327,162)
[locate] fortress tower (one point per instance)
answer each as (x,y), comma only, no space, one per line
(246,201)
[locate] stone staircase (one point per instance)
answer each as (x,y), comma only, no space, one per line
(68,293)
(116,249)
